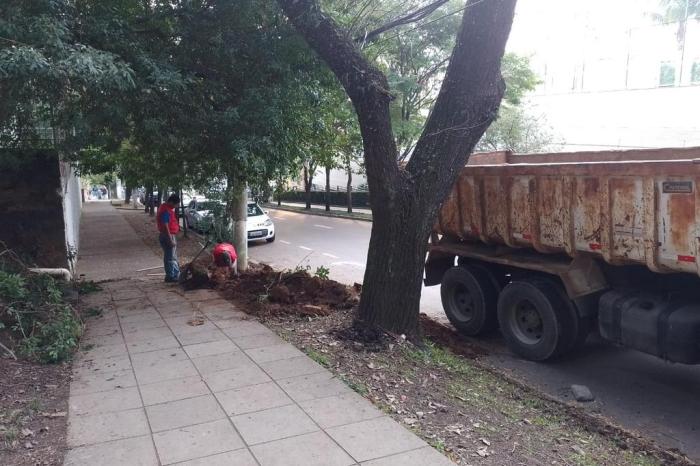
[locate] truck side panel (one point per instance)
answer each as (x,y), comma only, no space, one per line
(627,213)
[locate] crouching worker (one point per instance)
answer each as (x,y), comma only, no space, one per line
(225,256)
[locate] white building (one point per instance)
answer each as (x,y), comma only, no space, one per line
(612,76)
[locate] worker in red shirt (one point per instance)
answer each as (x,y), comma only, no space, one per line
(168,227)
(225,256)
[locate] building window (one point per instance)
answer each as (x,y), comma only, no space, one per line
(695,73)
(667,74)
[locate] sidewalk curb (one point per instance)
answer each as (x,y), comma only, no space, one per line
(321,213)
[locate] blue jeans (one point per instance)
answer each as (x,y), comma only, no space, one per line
(172,268)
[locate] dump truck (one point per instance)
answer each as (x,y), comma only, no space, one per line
(549,247)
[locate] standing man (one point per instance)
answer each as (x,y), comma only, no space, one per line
(168,227)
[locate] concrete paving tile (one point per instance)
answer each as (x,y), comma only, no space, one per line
(112,338)
(97,428)
(136,319)
(293,367)
(175,322)
(221,362)
(175,308)
(315,449)
(339,410)
(102,382)
(90,367)
(244,328)
(210,348)
(127,294)
(181,413)
(141,335)
(218,304)
(375,438)
(201,295)
(172,390)
(96,299)
(273,424)
(240,457)
(146,309)
(102,328)
(132,304)
(152,358)
(153,345)
(205,335)
(136,326)
(253,398)
(228,320)
(165,371)
(103,352)
(164,296)
(193,442)
(257,341)
(120,399)
(138,451)
(242,375)
(426,456)
(273,353)
(308,387)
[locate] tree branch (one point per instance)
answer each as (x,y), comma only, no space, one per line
(409,18)
(367,88)
(470,95)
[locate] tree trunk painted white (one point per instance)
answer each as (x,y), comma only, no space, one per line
(239,217)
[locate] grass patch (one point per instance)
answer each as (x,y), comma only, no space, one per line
(320,358)
(87,286)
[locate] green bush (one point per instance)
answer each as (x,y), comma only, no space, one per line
(33,310)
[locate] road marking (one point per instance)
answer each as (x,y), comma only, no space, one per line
(327,255)
(305,248)
(284,242)
(324,226)
(355,264)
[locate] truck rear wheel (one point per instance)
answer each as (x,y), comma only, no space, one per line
(536,319)
(469,296)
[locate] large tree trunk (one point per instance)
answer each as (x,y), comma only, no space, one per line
(308,180)
(239,216)
(349,187)
(328,189)
(405,200)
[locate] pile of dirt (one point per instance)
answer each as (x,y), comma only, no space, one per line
(266,292)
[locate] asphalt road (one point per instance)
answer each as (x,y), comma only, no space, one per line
(639,392)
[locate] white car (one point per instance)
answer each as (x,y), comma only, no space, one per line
(199,213)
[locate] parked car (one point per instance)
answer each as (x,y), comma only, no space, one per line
(200,213)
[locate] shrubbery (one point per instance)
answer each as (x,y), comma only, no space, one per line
(35,316)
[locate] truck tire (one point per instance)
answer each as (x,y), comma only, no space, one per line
(469,296)
(537,321)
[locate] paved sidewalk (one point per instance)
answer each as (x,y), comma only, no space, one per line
(151,388)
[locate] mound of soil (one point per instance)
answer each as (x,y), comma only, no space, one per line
(265,292)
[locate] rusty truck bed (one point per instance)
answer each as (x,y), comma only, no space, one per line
(626,207)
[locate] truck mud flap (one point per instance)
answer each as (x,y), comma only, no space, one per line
(435,267)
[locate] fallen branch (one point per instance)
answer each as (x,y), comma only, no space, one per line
(9,351)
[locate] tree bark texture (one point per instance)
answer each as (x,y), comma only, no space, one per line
(405,200)
(239,217)
(349,188)
(308,180)
(328,189)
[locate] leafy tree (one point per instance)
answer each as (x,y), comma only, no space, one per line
(405,199)
(517,131)
(678,11)
(48,73)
